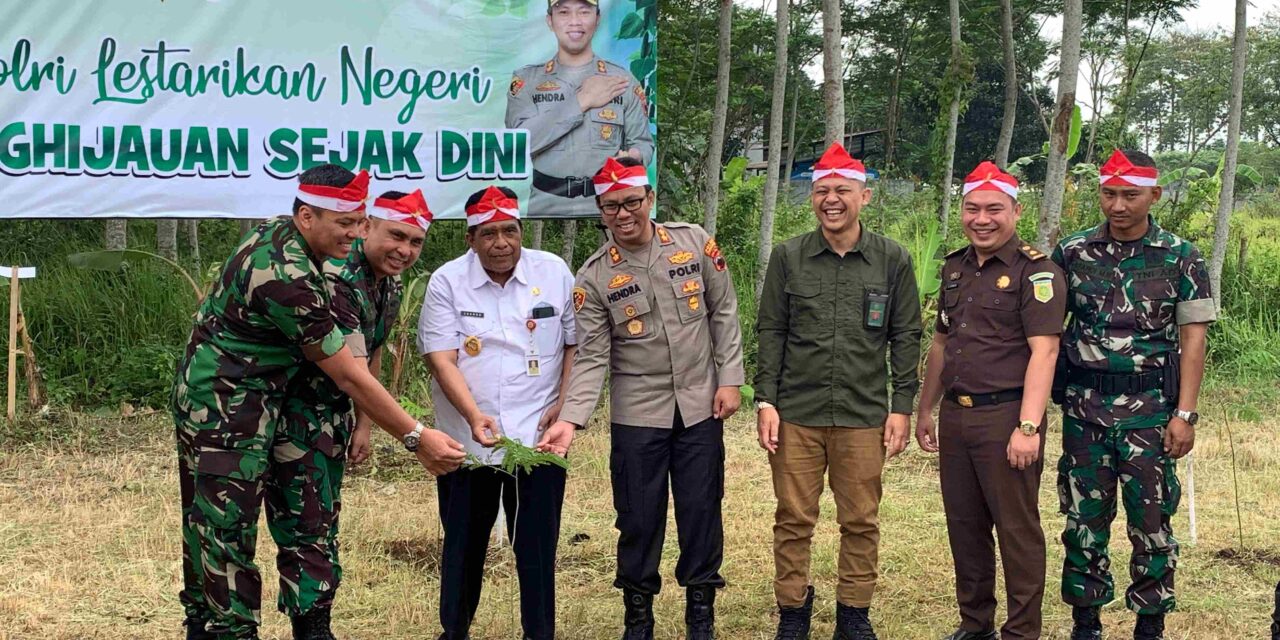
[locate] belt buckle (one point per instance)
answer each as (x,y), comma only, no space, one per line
(965,401)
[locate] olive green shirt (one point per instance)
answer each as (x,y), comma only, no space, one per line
(819,362)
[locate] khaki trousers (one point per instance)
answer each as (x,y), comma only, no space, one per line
(852,458)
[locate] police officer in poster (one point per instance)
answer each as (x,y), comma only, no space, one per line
(580,110)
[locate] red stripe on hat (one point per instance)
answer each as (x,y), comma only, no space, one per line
(354,193)
(615,176)
(988,177)
(838,161)
(493,206)
(411,210)
(1119,170)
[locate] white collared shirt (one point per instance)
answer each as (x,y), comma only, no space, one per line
(463,303)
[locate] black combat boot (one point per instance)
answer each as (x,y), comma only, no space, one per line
(1149,627)
(852,623)
(961,634)
(638,617)
(700,613)
(1088,625)
(196,630)
(793,622)
(312,625)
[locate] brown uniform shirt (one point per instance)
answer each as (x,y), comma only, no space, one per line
(665,329)
(989,311)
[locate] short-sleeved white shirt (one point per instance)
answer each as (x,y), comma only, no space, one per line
(463,302)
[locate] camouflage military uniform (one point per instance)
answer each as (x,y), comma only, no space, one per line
(1126,302)
(304,486)
(268,312)
(567,144)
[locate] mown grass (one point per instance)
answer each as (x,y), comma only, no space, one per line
(89,544)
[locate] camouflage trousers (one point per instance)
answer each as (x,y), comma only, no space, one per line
(1097,462)
(221,584)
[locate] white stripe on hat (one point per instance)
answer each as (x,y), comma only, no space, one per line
(1136,181)
(1003,186)
(819,174)
(325,202)
(481,218)
(633,181)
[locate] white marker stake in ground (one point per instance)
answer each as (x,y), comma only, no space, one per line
(1191,494)
(15,274)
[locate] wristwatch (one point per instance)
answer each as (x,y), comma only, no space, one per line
(1190,416)
(1028,428)
(760,404)
(412,438)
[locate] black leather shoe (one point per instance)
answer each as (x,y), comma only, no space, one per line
(312,625)
(794,622)
(961,634)
(1149,627)
(700,613)
(638,616)
(1088,624)
(853,623)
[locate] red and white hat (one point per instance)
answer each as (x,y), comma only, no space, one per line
(341,199)
(615,176)
(411,210)
(493,206)
(988,177)
(1119,171)
(836,162)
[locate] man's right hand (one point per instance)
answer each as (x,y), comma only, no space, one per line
(439,453)
(484,430)
(767,422)
(598,90)
(926,431)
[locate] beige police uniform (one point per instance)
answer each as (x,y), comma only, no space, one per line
(567,144)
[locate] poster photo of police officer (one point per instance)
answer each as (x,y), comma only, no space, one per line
(579,109)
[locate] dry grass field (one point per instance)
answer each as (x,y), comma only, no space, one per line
(89,544)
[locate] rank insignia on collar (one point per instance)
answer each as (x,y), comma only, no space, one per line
(664,237)
(549,85)
(579,298)
(681,257)
(1002,282)
(615,256)
(620,280)
(550,67)
(600,67)
(635,327)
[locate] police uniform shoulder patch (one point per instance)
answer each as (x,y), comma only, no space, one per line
(579,298)
(640,95)
(1031,253)
(517,83)
(1042,285)
(712,251)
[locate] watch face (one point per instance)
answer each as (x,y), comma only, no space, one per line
(411,441)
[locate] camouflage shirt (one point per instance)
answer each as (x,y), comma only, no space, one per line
(268,313)
(1125,303)
(316,411)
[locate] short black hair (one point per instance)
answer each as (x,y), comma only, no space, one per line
(475,197)
(1138,158)
(392,195)
(325,175)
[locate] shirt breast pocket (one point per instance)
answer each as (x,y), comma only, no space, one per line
(631,318)
(690,299)
(473,326)
(606,133)
(548,336)
(1000,315)
(1153,304)
(806,302)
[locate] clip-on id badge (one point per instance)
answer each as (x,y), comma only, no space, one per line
(874,306)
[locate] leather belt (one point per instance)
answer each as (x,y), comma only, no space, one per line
(970,400)
(1112,384)
(568,187)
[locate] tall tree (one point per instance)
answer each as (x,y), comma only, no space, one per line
(116,234)
(191,227)
(955,85)
(832,70)
(715,144)
(167,238)
(536,228)
(1226,197)
(1010,85)
(773,155)
(1056,173)
(570,237)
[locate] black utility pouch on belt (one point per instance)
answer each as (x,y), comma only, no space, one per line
(1058,392)
(1172,377)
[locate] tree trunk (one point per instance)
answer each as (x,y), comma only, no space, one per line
(116,234)
(832,66)
(192,229)
(1010,85)
(791,135)
(1056,174)
(245,227)
(536,228)
(715,146)
(776,108)
(1226,197)
(167,238)
(570,237)
(953,121)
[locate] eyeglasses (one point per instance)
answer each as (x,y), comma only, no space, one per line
(630,204)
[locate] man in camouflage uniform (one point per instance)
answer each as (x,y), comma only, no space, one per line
(318,419)
(580,110)
(1139,308)
(268,313)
